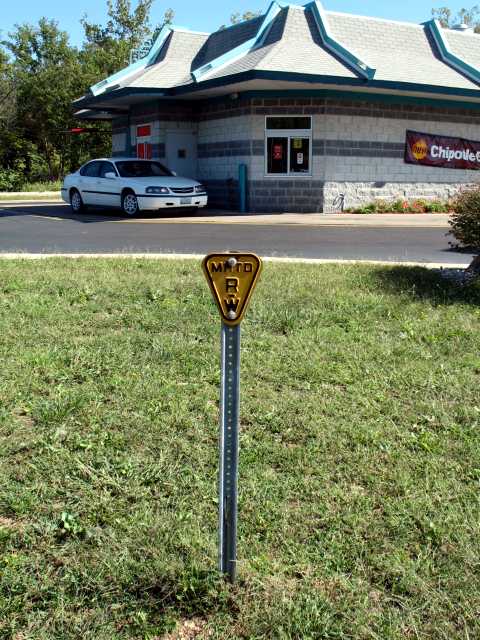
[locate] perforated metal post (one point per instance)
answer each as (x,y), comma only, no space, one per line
(229,437)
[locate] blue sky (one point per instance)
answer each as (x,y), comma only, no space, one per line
(207,15)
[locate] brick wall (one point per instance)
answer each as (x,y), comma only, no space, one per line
(358,149)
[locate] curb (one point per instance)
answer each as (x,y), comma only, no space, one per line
(194,256)
(28,194)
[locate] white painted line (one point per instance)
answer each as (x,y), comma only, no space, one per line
(195,256)
(14,204)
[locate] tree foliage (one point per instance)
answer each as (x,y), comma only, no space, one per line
(449,19)
(108,46)
(241,17)
(238,17)
(41,73)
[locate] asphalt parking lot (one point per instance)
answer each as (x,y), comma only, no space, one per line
(52,228)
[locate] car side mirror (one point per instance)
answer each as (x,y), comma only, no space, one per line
(110,175)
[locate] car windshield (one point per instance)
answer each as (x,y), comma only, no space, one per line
(142,169)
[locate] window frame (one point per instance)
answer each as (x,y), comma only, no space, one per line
(89,164)
(289,134)
(113,169)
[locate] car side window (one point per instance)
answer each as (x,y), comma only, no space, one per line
(91,170)
(107,167)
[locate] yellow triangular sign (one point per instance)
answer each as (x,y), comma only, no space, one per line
(232,278)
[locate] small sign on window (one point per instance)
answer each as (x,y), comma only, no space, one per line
(299,158)
(277,152)
(297,143)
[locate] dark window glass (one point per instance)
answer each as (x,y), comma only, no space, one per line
(289,122)
(299,155)
(277,150)
(142,169)
(107,167)
(91,170)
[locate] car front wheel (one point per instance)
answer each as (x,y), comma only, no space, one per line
(76,201)
(129,204)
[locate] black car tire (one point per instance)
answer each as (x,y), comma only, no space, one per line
(76,202)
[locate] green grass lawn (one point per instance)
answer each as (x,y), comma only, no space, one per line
(34,187)
(360,455)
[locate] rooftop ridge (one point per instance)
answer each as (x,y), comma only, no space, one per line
(331,43)
(375,18)
(237,52)
(447,55)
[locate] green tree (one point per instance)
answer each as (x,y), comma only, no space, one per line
(448,19)
(242,17)
(48,75)
(7,88)
(107,47)
(41,74)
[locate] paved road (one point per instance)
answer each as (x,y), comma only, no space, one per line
(51,228)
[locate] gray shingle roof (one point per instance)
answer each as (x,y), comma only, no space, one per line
(293,45)
(173,64)
(399,52)
(225,40)
(464,45)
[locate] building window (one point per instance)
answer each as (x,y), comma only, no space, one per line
(288,145)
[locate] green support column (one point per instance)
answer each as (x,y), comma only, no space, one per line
(242,187)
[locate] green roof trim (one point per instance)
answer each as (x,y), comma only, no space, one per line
(288,76)
(354,84)
(242,49)
(108,83)
(334,46)
(446,54)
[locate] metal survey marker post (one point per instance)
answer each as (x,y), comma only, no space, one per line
(232,278)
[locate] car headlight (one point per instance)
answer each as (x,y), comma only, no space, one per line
(200,188)
(157,190)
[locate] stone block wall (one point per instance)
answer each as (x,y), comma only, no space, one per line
(299,195)
(355,194)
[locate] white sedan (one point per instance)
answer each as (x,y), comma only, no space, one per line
(132,185)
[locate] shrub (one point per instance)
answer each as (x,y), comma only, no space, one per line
(465,222)
(10,180)
(435,206)
(403,206)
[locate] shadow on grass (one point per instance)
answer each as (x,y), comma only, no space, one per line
(425,284)
(191,592)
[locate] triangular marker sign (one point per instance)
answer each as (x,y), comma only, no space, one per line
(232,278)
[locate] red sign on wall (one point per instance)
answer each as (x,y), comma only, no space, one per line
(144,132)
(442,151)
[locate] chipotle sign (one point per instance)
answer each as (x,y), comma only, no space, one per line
(442,151)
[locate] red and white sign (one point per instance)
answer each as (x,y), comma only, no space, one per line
(144,131)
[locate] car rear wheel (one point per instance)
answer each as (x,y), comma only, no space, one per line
(129,204)
(76,201)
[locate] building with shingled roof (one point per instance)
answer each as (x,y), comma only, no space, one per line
(315,104)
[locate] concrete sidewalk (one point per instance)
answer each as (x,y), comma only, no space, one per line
(426,220)
(215,216)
